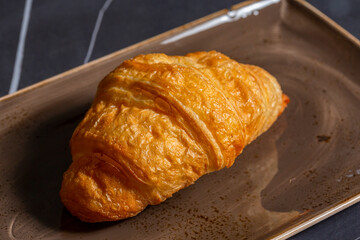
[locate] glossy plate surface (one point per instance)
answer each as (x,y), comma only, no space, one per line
(304,169)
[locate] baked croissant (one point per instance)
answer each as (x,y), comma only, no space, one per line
(160,122)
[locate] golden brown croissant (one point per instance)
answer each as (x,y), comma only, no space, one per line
(160,122)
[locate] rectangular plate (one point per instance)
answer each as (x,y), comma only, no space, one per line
(304,169)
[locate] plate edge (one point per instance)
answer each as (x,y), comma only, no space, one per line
(291,231)
(327,20)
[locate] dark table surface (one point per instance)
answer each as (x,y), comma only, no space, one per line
(42,38)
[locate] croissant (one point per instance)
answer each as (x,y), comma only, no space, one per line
(160,122)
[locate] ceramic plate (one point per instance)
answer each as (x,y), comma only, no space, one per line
(304,169)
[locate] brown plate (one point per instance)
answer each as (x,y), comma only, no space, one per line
(304,169)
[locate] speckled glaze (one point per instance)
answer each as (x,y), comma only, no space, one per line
(304,166)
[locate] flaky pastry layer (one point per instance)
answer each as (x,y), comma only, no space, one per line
(160,122)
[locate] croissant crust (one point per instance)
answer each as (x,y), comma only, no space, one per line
(160,122)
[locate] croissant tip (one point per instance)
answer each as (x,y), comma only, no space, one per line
(286,99)
(285,102)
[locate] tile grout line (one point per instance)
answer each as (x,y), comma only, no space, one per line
(20,49)
(96,29)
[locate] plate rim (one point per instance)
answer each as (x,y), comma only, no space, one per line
(311,221)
